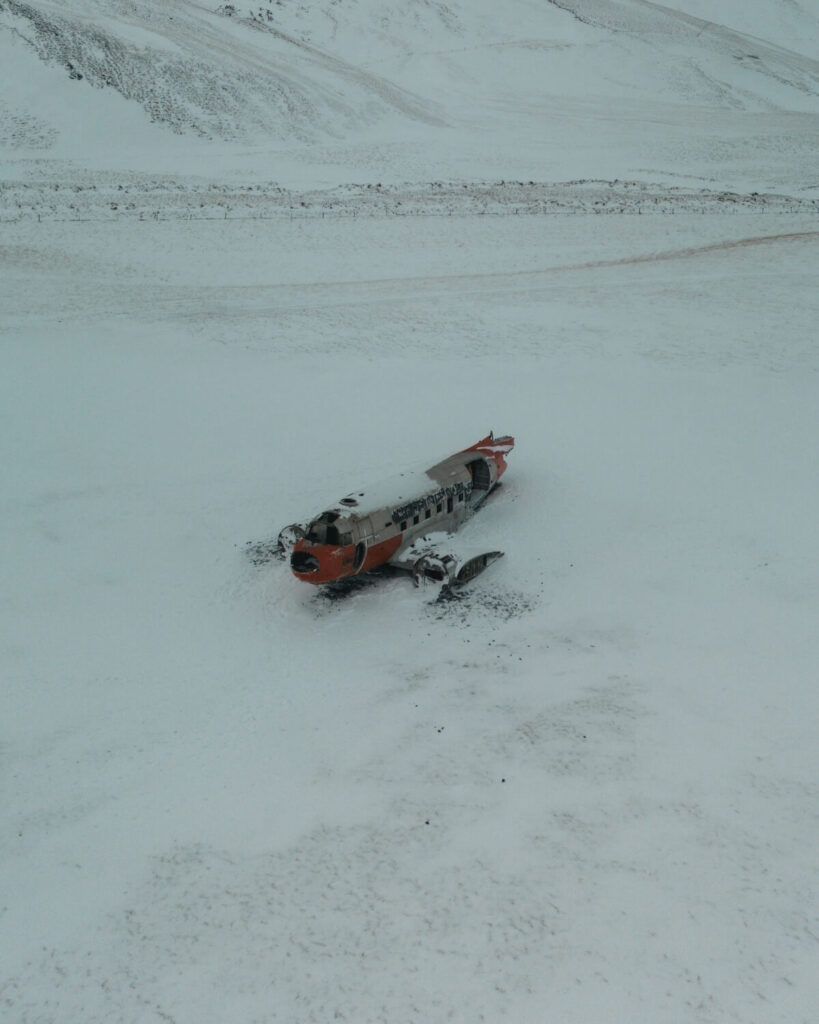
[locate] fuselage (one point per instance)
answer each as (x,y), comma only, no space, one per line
(367,529)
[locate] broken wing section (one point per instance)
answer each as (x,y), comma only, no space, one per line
(428,561)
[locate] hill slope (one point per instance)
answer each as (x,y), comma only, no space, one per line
(412,91)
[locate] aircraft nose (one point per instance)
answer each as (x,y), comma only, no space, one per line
(303,562)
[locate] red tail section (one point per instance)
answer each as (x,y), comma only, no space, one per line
(494,447)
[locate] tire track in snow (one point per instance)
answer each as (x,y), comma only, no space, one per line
(699,250)
(329,293)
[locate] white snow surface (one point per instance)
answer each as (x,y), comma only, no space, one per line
(251,260)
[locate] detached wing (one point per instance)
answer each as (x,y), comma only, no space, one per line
(431,560)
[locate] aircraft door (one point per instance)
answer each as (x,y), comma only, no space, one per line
(481,476)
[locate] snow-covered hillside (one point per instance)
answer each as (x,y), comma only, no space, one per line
(331,93)
(252,258)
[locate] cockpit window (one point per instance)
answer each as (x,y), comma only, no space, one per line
(324,530)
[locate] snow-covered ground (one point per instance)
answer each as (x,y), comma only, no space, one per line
(589,790)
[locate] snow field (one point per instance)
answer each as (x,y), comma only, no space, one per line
(586,790)
(251,260)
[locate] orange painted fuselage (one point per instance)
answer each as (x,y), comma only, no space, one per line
(336,563)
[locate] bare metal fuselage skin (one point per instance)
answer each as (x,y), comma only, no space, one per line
(366,530)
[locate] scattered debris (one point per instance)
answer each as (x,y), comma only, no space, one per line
(498,603)
(262,552)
